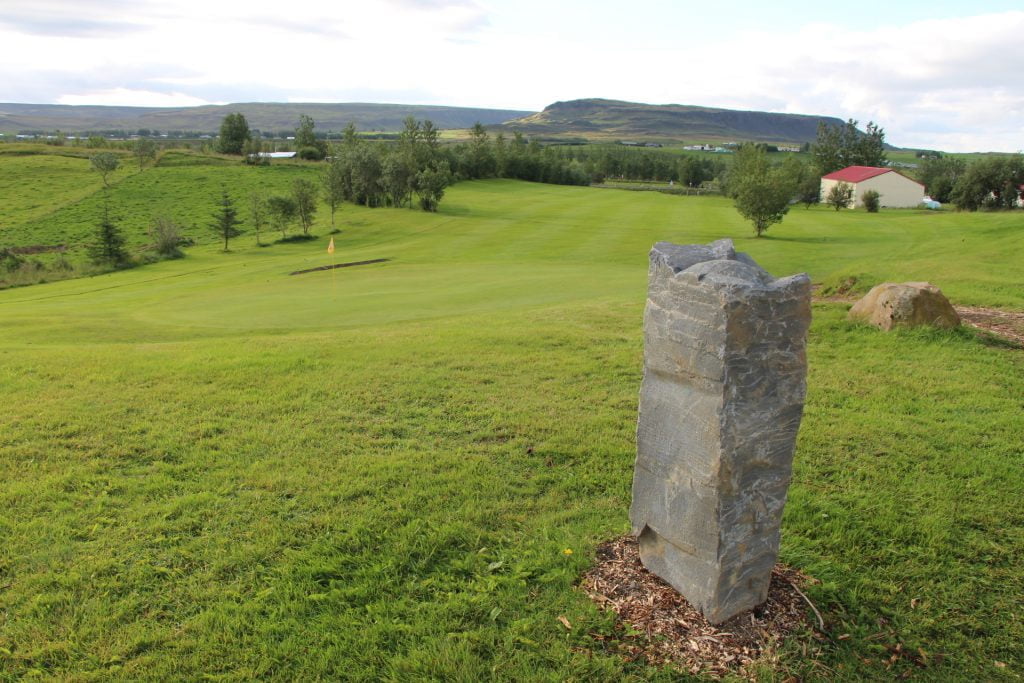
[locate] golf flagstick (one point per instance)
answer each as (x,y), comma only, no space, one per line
(330,250)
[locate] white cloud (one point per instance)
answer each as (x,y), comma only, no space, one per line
(956,84)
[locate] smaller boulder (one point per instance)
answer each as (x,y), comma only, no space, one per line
(905,304)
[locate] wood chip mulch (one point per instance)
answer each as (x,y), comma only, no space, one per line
(661,626)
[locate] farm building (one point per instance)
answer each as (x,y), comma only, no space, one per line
(895,189)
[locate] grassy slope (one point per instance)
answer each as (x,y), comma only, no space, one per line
(214,468)
(183,186)
(34,186)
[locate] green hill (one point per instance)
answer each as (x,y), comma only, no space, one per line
(267,116)
(598,118)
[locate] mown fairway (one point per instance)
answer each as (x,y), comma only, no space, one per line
(212,468)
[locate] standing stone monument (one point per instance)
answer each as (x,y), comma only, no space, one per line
(720,405)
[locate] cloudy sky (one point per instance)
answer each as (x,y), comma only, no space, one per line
(938,74)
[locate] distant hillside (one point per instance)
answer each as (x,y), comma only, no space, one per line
(597,118)
(268,116)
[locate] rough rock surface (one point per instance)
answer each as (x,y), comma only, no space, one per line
(906,304)
(720,405)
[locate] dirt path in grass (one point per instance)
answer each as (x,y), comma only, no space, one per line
(1008,324)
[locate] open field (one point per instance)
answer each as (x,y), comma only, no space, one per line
(212,468)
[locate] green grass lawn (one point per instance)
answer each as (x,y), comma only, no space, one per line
(214,469)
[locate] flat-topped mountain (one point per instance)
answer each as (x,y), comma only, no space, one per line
(593,119)
(599,118)
(267,116)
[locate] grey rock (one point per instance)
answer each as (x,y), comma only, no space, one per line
(721,401)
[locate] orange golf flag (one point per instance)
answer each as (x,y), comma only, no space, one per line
(330,247)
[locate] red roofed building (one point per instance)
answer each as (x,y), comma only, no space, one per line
(895,189)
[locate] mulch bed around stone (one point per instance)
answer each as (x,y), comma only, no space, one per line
(671,632)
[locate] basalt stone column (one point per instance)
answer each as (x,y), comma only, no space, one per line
(720,405)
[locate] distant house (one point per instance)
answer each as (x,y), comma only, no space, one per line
(895,189)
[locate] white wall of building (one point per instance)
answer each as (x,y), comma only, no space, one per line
(897,191)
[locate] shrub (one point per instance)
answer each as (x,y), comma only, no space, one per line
(166,236)
(872,201)
(839,196)
(311,153)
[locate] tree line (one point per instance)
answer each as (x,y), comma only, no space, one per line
(990,183)
(482,156)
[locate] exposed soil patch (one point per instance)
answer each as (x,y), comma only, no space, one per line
(38,249)
(340,265)
(672,632)
(1008,324)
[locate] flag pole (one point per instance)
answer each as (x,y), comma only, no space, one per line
(330,250)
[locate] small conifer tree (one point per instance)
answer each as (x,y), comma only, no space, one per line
(108,249)
(226,219)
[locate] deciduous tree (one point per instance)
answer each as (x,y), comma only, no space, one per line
(144,150)
(990,182)
(304,196)
(166,236)
(940,175)
(840,146)
(253,151)
(334,182)
(234,132)
(105,163)
(809,188)
(258,213)
(306,144)
(839,195)
(430,184)
(760,193)
(282,212)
